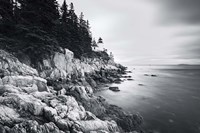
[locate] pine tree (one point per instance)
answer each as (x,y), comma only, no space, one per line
(81,20)
(85,35)
(94,44)
(6,17)
(81,16)
(38,28)
(43,13)
(64,11)
(16,11)
(88,25)
(52,9)
(6,10)
(71,6)
(72,16)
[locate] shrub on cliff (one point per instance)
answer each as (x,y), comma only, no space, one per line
(98,54)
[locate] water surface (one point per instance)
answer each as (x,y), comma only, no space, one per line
(169,103)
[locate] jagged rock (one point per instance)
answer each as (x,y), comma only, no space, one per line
(9,65)
(96,125)
(79,92)
(52,90)
(128,71)
(9,89)
(90,102)
(50,113)
(8,116)
(126,76)
(42,95)
(64,124)
(69,55)
(1,82)
(87,86)
(105,80)
(94,105)
(92,83)
(100,131)
(116,89)
(60,65)
(24,102)
(60,61)
(58,73)
(90,116)
(62,110)
(46,64)
(26,81)
(75,112)
(153,75)
(62,91)
(54,102)
(67,107)
(65,110)
(63,60)
(128,122)
(33,127)
(31,89)
(63,65)
(30,104)
(117,80)
(4,129)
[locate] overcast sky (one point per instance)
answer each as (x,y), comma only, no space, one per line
(146,31)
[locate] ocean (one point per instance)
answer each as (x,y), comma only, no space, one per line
(168,102)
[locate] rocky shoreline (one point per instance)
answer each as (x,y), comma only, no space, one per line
(58,96)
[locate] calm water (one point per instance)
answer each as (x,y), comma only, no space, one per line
(169,103)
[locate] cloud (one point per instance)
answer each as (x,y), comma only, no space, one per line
(190,50)
(180,11)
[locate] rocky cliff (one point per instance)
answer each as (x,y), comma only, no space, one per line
(63,65)
(58,97)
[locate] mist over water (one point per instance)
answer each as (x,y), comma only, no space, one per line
(169,103)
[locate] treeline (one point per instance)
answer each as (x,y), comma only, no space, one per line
(37,28)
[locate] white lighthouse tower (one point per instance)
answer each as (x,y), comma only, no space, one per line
(101,45)
(98,46)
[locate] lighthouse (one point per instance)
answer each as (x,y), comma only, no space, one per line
(98,46)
